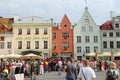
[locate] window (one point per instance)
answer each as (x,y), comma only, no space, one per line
(83,29)
(37,31)
(65,45)
(104,44)
(117,34)
(90,28)
(95,48)
(111,34)
(36,44)
(1,45)
(28,31)
(78,49)
(45,30)
(2,38)
(9,45)
(65,25)
(87,21)
(19,44)
(78,39)
(96,39)
(87,49)
(104,34)
(118,44)
(87,39)
(117,25)
(28,45)
(19,31)
(111,44)
(54,45)
(54,35)
(45,44)
(65,35)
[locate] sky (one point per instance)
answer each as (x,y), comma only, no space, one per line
(99,9)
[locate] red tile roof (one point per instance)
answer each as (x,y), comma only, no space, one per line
(107,25)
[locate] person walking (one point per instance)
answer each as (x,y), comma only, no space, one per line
(59,67)
(112,73)
(86,72)
(71,70)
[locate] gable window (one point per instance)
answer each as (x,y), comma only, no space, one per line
(111,34)
(45,31)
(104,44)
(118,44)
(65,25)
(78,39)
(28,31)
(87,39)
(1,45)
(37,31)
(19,44)
(83,29)
(19,31)
(111,44)
(90,28)
(117,25)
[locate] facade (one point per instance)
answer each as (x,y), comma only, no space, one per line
(33,34)
(110,34)
(86,36)
(62,39)
(6,36)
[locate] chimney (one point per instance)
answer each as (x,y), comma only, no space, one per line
(112,14)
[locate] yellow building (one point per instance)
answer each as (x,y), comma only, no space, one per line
(33,34)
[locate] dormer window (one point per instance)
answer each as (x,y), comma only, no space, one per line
(117,25)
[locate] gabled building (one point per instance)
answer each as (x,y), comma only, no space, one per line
(62,39)
(6,36)
(86,36)
(110,35)
(33,34)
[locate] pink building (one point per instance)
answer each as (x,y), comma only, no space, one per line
(62,39)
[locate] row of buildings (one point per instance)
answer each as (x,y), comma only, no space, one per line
(36,35)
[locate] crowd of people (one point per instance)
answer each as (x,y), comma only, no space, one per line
(75,69)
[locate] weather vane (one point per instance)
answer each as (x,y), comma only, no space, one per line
(85,3)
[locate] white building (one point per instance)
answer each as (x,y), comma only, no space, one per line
(86,36)
(110,34)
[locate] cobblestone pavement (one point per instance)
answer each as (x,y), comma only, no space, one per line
(55,76)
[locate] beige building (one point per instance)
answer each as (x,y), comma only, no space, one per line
(32,34)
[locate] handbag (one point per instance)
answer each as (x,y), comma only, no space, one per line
(19,76)
(83,75)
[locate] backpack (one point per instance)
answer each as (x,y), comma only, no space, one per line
(112,74)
